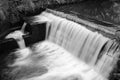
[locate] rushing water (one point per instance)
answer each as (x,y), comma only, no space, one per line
(70,52)
(61,64)
(90,47)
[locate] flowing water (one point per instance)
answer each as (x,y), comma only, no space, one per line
(70,49)
(97,51)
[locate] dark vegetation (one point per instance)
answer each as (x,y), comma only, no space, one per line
(12,10)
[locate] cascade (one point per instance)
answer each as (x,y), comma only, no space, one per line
(69,49)
(94,49)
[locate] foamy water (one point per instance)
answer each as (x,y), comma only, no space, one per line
(61,64)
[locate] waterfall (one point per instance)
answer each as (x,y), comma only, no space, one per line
(90,47)
(18,36)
